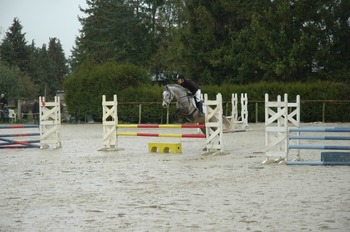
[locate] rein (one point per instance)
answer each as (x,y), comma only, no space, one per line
(168,101)
(188,99)
(179,99)
(184,107)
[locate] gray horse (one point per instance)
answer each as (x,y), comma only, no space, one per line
(185,105)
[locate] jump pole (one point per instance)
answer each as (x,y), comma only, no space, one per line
(9,141)
(334,157)
(13,144)
(199,136)
(18,126)
(279,115)
(145,126)
(213,135)
(49,128)
(318,163)
(321,129)
(19,139)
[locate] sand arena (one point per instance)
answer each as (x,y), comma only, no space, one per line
(78,188)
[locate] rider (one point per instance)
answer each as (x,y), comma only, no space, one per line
(194,89)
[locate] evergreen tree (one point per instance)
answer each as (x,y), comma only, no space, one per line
(168,49)
(235,41)
(59,62)
(223,41)
(42,70)
(296,40)
(14,49)
(111,32)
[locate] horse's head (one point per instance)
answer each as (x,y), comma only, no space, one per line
(167,97)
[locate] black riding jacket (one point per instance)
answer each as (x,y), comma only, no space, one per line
(3,101)
(190,85)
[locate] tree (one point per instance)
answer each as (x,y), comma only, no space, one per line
(14,84)
(125,31)
(15,59)
(111,32)
(223,41)
(207,37)
(84,88)
(10,80)
(168,49)
(296,40)
(235,41)
(42,70)
(14,49)
(59,62)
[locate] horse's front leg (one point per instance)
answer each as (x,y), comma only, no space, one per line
(175,115)
(177,112)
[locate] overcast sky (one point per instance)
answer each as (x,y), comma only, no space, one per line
(44,19)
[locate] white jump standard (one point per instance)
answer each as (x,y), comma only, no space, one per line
(50,123)
(49,129)
(234,122)
(279,117)
(283,134)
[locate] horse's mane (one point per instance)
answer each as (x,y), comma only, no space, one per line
(174,86)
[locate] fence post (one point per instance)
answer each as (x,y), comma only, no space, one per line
(323,111)
(167,115)
(140,116)
(256,112)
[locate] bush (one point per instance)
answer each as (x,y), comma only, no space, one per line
(310,111)
(84,89)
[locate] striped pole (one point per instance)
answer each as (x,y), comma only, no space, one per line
(160,126)
(320,129)
(24,143)
(327,158)
(19,135)
(17,147)
(201,136)
(315,163)
(213,136)
(319,137)
(18,126)
(320,147)
(11,144)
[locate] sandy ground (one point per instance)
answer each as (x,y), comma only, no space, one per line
(78,188)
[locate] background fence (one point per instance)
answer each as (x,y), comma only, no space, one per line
(153,112)
(311,111)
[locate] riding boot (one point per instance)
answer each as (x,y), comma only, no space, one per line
(200,109)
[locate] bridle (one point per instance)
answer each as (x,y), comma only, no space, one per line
(168,100)
(171,96)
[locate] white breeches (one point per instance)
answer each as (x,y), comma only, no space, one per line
(197,96)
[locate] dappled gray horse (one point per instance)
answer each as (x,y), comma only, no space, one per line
(185,105)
